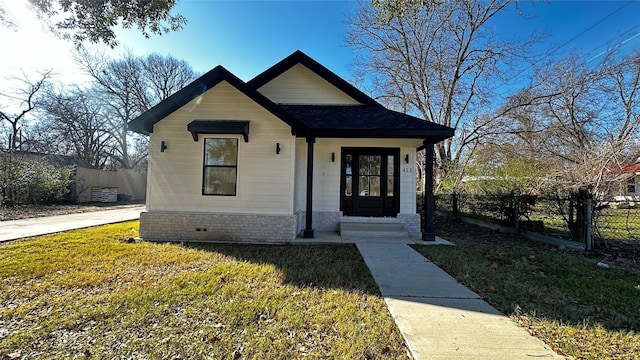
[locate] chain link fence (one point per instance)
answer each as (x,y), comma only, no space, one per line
(607,224)
(617,224)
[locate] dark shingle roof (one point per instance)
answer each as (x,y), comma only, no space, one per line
(365,121)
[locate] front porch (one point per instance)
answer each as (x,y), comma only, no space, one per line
(367,233)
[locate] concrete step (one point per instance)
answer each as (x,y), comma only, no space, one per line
(373,230)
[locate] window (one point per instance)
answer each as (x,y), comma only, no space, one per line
(631,185)
(220,167)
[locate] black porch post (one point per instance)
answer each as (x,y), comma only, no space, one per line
(428,233)
(308,231)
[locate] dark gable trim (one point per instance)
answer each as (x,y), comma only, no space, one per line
(299,57)
(219,127)
(143,124)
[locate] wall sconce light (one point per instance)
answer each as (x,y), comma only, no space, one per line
(406,158)
(163,146)
(333,157)
(277,148)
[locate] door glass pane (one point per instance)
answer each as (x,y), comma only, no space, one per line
(374,164)
(389,185)
(349,160)
(363,186)
(348,186)
(364,165)
(374,188)
(390,165)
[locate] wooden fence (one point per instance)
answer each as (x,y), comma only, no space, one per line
(131,183)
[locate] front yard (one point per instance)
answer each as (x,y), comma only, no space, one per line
(561,296)
(84,294)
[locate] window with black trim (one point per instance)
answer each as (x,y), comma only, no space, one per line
(220,173)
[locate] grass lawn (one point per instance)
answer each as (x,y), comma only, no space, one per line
(561,296)
(84,294)
(621,225)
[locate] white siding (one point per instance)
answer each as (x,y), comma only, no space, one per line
(264,178)
(301,86)
(326,180)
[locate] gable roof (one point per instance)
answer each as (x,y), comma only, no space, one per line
(144,123)
(371,120)
(299,57)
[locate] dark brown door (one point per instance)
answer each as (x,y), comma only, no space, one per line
(370,182)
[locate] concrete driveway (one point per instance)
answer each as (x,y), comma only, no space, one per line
(16,229)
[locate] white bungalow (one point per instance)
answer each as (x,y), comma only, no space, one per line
(294,150)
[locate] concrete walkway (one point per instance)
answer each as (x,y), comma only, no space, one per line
(438,317)
(16,229)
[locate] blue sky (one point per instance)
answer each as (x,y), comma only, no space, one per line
(247,37)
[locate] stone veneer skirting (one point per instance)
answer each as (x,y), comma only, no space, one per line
(249,228)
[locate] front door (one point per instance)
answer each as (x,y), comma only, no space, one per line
(370,181)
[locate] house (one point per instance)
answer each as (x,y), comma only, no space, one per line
(295,150)
(625,183)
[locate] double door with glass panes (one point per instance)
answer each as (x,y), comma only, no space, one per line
(370,181)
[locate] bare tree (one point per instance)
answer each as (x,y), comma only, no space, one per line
(73,123)
(621,87)
(25,100)
(128,87)
(165,75)
(437,59)
(579,120)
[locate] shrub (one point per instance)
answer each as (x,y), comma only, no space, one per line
(33,181)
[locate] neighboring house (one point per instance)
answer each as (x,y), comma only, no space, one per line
(626,183)
(58,161)
(295,150)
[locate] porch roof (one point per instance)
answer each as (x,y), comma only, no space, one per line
(361,121)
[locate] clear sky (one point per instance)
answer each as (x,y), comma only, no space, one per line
(247,37)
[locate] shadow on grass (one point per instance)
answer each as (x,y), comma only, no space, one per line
(321,266)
